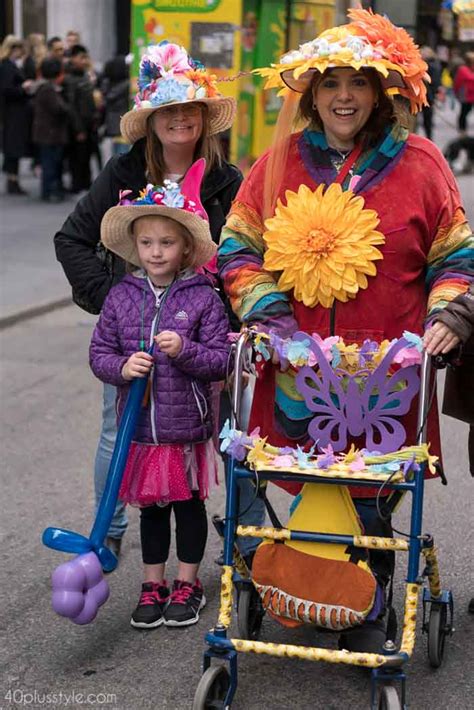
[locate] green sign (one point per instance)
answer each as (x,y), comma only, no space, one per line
(187,5)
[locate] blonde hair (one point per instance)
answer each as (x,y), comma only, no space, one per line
(36,47)
(207,147)
(8,44)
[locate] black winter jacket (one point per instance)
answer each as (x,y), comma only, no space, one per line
(50,115)
(79,93)
(91,270)
(15,109)
(117,99)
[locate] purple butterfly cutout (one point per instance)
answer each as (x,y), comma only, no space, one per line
(370,407)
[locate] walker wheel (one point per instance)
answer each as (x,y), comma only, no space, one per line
(388,699)
(437,632)
(212,689)
(250,613)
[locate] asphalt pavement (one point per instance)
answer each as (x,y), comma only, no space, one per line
(50,419)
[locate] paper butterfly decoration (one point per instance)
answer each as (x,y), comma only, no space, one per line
(369,402)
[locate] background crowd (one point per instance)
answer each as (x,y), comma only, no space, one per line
(56,108)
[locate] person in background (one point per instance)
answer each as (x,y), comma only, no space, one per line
(55,47)
(36,51)
(465,145)
(459,386)
(432,87)
(447,87)
(115,87)
(79,93)
(72,38)
(167,132)
(51,129)
(16,110)
(464,89)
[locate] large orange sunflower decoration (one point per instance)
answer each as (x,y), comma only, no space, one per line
(323,243)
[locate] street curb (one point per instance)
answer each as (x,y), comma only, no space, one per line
(33,311)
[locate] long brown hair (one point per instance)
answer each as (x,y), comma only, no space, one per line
(208,147)
(384,113)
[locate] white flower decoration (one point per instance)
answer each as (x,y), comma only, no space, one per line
(289,57)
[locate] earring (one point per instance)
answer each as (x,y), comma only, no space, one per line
(376,104)
(314,106)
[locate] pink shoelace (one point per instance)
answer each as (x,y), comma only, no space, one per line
(150,597)
(181,594)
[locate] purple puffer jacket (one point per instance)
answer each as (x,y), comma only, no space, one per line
(179,407)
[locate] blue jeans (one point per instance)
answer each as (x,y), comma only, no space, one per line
(103,457)
(255,515)
(51,157)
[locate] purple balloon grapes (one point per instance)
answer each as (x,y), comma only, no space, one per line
(79,588)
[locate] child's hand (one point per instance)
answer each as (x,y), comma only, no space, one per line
(169,342)
(138,365)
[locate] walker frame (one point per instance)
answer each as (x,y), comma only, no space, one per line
(218,685)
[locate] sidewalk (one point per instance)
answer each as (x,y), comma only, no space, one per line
(31,279)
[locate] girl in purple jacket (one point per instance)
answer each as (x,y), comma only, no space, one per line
(166,305)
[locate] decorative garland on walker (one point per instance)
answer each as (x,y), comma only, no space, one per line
(343,358)
(255,451)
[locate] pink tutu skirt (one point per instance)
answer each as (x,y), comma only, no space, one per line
(168,472)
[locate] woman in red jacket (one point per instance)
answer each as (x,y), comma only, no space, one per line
(351,226)
(464,89)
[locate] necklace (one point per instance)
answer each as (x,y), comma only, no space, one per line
(339,159)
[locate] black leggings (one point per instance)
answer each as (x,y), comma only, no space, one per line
(191,531)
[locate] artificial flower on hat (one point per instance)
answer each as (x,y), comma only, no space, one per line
(181,203)
(367,41)
(167,76)
(399,48)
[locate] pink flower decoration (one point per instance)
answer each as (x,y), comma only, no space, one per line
(169,57)
(357,465)
(284,461)
(326,344)
(407,357)
(353,182)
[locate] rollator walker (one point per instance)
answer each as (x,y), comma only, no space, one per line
(394,473)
